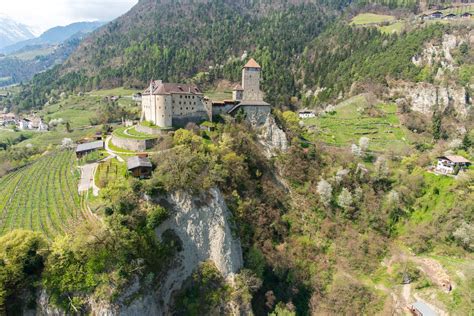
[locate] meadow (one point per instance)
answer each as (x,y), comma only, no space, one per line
(371,18)
(354,119)
(42,196)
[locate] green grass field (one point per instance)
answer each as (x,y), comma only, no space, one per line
(42,196)
(122,92)
(396,27)
(126,132)
(371,18)
(110,171)
(351,122)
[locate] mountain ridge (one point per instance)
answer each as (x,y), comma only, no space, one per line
(55,35)
(12,32)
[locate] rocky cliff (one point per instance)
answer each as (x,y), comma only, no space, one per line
(204,228)
(426,97)
(444,93)
(272,137)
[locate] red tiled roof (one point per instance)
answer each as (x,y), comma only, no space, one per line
(160,87)
(252,64)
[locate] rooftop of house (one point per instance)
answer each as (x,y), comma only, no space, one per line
(423,308)
(252,64)
(89,146)
(159,88)
(455,159)
(138,162)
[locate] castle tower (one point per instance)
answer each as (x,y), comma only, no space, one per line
(251,76)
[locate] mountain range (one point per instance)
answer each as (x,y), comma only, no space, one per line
(12,32)
(55,35)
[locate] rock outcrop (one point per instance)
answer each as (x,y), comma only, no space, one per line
(271,137)
(426,98)
(204,229)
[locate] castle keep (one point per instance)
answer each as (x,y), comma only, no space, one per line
(248,97)
(172,104)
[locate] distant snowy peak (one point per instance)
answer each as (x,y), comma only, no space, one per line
(12,32)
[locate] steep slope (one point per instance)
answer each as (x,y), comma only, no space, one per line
(178,40)
(12,32)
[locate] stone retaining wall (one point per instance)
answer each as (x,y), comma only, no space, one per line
(133,144)
(150,130)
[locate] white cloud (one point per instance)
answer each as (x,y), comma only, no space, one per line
(44,14)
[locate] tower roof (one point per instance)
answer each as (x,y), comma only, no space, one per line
(252,64)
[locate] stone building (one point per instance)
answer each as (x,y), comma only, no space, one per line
(172,104)
(249,97)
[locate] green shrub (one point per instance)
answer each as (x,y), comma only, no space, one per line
(156,216)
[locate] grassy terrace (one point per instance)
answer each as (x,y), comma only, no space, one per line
(351,122)
(42,196)
(385,23)
(372,18)
(132,133)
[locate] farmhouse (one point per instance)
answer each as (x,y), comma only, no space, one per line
(421,309)
(24,124)
(249,97)
(84,149)
(172,104)
(139,166)
(305,113)
(451,164)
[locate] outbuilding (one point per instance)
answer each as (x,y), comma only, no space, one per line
(420,308)
(84,149)
(305,113)
(140,166)
(451,164)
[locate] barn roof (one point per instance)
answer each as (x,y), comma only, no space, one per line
(138,162)
(89,146)
(160,87)
(456,159)
(252,64)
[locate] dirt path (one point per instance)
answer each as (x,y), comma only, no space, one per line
(87,177)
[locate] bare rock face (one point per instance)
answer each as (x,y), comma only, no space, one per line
(426,98)
(204,229)
(272,138)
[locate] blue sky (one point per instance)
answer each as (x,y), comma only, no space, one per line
(44,14)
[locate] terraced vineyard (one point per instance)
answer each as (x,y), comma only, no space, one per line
(349,123)
(42,196)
